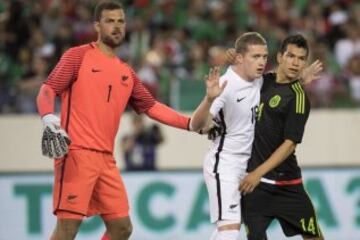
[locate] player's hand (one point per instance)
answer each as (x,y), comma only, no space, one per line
(207,128)
(311,72)
(248,184)
(213,88)
(51,121)
(231,55)
(55,141)
(213,130)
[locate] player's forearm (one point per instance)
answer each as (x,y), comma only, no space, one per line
(201,115)
(168,116)
(45,100)
(281,153)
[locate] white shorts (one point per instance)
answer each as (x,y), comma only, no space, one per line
(224,196)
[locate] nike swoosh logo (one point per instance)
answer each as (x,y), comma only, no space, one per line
(95,70)
(239,100)
(233,206)
(71,197)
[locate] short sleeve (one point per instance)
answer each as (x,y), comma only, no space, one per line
(219,102)
(296,119)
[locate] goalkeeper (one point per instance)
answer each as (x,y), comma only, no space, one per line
(95,86)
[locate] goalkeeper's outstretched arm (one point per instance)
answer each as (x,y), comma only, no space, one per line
(201,116)
(168,116)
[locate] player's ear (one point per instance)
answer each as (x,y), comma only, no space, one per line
(279,57)
(97,26)
(239,58)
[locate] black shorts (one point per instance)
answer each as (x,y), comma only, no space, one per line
(290,205)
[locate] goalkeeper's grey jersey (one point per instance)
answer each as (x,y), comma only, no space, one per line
(235,110)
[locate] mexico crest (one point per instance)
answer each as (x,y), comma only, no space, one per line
(274,101)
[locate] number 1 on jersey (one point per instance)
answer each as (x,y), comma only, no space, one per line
(253,114)
(109,93)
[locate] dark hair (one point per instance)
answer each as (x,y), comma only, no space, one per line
(106,5)
(297,40)
(249,38)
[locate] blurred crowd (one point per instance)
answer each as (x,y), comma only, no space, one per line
(170,41)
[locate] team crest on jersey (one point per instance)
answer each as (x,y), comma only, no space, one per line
(274,101)
(123,80)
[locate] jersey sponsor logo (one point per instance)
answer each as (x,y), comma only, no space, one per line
(274,101)
(95,70)
(124,78)
(239,99)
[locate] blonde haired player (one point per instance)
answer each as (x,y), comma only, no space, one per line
(234,110)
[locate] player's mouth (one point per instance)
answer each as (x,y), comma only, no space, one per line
(116,34)
(259,70)
(293,70)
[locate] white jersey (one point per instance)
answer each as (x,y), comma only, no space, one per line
(235,110)
(226,162)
